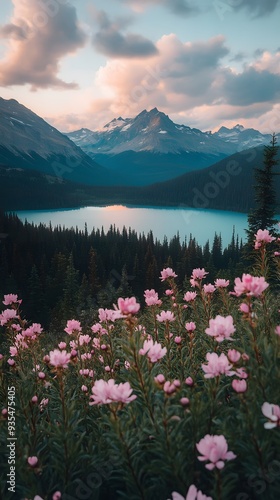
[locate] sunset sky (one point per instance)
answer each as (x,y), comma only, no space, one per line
(205,63)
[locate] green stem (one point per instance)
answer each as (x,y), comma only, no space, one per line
(128,454)
(64,422)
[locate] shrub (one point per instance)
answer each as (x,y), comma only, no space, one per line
(176,399)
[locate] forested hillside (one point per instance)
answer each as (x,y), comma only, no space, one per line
(227,185)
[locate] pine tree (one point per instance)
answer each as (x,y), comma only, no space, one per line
(124,289)
(263,216)
(70,290)
(93,278)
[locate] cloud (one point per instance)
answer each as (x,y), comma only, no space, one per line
(180,7)
(12,31)
(110,41)
(38,38)
(183,73)
(257,8)
(239,56)
(188,80)
(251,87)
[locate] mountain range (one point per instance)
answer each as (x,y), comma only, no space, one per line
(151,147)
(147,159)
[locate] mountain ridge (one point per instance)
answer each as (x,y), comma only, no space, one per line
(27,140)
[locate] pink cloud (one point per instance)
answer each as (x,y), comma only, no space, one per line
(189,82)
(38,37)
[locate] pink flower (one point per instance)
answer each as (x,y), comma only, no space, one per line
(165,316)
(167,273)
(169,292)
(169,387)
(32,331)
(128,305)
(160,378)
(193,494)
(221,328)
(233,355)
(59,359)
(190,296)
(62,345)
(151,298)
(217,365)
(214,449)
(153,350)
(189,381)
(251,285)
(239,385)
(36,328)
(106,315)
(84,388)
(7,315)
(72,326)
(244,308)
(13,351)
(16,327)
(199,274)
(123,393)
(209,288)
(10,299)
(41,375)
(32,461)
(57,495)
(34,399)
(190,326)
(241,372)
(277,330)
(178,340)
(184,401)
(221,283)
(11,362)
(262,237)
(272,412)
(109,392)
(102,392)
(84,339)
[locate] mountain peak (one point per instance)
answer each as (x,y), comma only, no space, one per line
(154,111)
(238,127)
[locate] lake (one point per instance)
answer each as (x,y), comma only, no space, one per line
(200,223)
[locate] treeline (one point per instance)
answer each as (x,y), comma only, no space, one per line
(61,273)
(227,185)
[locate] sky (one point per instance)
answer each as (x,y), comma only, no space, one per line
(205,63)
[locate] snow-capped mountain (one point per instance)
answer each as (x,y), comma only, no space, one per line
(243,138)
(152,148)
(149,131)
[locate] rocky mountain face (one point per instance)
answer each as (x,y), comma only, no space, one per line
(29,142)
(152,148)
(150,131)
(243,138)
(140,151)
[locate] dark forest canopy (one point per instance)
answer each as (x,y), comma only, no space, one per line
(61,272)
